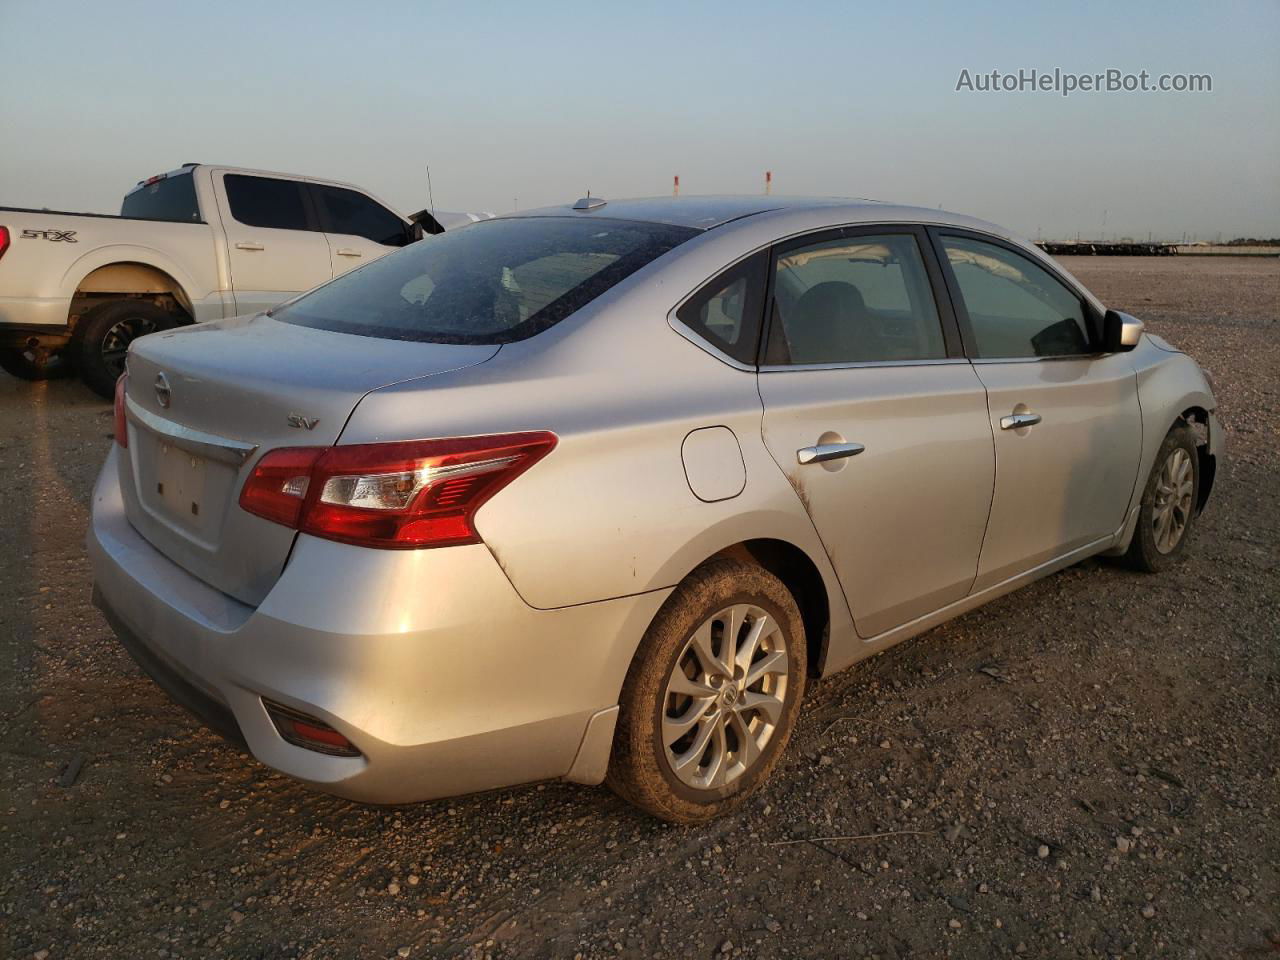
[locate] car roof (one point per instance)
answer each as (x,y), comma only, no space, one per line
(699,212)
(708,212)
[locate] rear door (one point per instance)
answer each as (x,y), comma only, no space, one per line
(877,419)
(1067,426)
(274,247)
(358,228)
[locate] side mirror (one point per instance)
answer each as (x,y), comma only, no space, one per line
(1120,332)
(416,232)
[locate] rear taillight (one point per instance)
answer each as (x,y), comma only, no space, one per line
(413,494)
(277,488)
(4,240)
(122,425)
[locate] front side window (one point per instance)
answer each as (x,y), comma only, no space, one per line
(1016,308)
(266,202)
(858,299)
(345,211)
(726,312)
(497,281)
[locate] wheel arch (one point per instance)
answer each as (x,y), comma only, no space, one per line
(121,271)
(1172,390)
(801,576)
(1166,404)
(1197,417)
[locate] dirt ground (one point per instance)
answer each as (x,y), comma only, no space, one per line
(1112,790)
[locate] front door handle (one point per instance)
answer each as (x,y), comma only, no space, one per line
(348,252)
(249,245)
(828,451)
(1015,420)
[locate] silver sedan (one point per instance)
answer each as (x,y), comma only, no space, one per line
(592,492)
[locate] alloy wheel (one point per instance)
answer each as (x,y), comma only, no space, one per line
(725,695)
(1171,511)
(115,345)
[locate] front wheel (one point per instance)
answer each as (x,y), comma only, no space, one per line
(103,336)
(712,695)
(1168,508)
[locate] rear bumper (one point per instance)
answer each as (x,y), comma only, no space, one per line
(34,314)
(28,334)
(427,661)
(204,704)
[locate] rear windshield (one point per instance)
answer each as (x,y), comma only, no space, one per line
(496,281)
(172,198)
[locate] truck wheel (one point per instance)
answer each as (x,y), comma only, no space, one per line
(103,336)
(36,363)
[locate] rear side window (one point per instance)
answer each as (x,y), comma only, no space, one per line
(345,211)
(169,198)
(497,281)
(1016,308)
(854,299)
(266,202)
(726,312)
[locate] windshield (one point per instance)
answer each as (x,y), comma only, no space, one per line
(496,281)
(169,198)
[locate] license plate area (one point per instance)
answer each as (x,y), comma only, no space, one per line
(185,491)
(181,481)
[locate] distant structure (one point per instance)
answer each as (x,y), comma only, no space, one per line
(1087,248)
(1128,248)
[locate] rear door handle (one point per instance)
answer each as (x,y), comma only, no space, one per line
(249,245)
(348,252)
(828,451)
(1015,420)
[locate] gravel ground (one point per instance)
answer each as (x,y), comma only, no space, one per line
(1086,768)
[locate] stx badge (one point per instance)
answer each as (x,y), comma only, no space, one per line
(68,236)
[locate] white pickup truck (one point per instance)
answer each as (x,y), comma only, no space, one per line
(197,243)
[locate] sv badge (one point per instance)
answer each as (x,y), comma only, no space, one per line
(301,422)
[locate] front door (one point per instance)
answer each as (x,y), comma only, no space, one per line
(358,228)
(877,421)
(273,247)
(1066,421)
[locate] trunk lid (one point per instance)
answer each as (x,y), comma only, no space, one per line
(205,402)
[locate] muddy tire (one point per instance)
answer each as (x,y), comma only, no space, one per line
(1168,510)
(712,695)
(28,363)
(103,336)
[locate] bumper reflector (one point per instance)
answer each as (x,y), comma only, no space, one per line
(308,732)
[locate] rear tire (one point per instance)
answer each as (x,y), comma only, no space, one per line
(704,719)
(36,363)
(1168,510)
(103,336)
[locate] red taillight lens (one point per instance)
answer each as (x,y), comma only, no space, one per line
(419,493)
(278,486)
(121,424)
(4,240)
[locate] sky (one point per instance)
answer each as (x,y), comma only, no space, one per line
(529,104)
